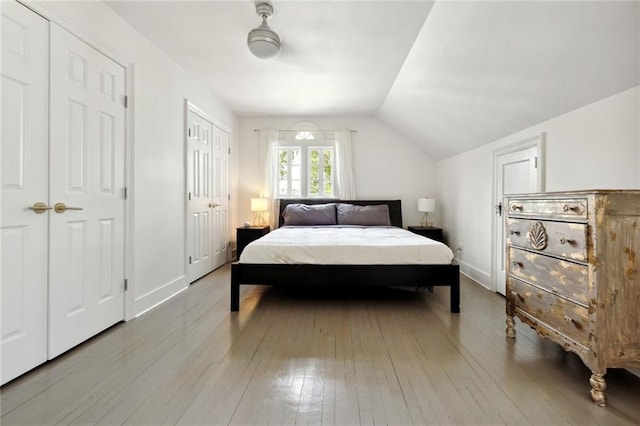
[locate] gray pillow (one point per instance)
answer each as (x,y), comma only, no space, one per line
(375,215)
(309,214)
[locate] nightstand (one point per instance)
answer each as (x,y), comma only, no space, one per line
(428,231)
(245,235)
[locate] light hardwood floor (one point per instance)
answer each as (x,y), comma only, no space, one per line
(318,357)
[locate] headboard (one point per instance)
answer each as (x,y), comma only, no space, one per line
(395,206)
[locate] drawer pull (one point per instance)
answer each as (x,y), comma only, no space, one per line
(567,208)
(515,295)
(515,207)
(512,232)
(516,264)
(577,324)
(564,240)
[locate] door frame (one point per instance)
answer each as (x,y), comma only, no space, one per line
(190,106)
(129,84)
(537,141)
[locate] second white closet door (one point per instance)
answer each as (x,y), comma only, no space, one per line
(86,246)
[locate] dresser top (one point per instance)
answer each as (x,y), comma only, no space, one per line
(576,193)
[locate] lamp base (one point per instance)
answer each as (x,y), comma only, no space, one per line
(425,220)
(258,220)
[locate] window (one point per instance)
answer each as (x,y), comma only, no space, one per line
(306,166)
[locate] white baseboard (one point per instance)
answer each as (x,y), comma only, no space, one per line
(150,300)
(475,274)
(635,371)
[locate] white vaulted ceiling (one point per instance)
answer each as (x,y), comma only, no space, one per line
(449,75)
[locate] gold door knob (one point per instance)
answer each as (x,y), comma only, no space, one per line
(39,207)
(212,205)
(62,207)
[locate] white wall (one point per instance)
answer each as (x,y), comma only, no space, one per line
(386,165)
(594,147)
(158,180)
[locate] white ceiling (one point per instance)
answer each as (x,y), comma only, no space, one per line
(449,75)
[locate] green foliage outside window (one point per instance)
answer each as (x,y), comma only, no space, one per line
(315,178)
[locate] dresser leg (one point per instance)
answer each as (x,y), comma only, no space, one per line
(598,385)
(511,330)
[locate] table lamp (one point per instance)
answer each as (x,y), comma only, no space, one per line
(426,205)
(259,206)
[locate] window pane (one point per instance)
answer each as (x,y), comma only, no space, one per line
(314,173)
(327,165)
(283,161)
(314,157)
(314,181)
(328,190)
(283,187)
(296,172)
(296,187)
(295,156)
(304,135)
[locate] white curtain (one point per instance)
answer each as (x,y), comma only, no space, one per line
(268,161)
(345,182)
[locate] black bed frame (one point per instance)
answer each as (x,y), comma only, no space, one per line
(351,275)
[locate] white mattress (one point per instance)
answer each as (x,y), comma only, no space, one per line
(335,245)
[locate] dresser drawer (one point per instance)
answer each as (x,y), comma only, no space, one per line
(558,209)
(567,279)
(563,315)
(558,238)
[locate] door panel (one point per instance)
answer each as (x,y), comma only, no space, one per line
(199,218)
(221,198)
(516,172)
(86,288)
(24,157)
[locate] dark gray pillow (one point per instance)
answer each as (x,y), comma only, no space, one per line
(374,215)
(309,214)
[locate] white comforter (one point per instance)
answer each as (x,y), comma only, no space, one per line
(335,245)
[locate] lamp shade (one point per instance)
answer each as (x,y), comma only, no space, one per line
(426,204)
(259,205)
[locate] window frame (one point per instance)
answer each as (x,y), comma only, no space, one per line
(290,142)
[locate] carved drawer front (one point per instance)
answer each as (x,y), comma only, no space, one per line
(559,238)
(544,208)
(563,315)
(567,279)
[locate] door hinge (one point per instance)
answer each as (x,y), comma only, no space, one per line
(189,196)
(535,162)
(229,151)
(228,197)
(126,101)
(126,284)
(124,192)
(189,132)
(189,260)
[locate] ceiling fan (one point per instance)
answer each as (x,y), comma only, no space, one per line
(263,42)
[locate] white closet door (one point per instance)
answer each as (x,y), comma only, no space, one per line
(86,281)
(220,197)
(199,199)
(24,160)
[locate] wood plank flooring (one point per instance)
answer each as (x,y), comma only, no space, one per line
(318,357)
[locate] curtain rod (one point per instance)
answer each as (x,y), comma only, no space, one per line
(307,130)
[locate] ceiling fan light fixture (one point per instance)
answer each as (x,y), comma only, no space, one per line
(263,42)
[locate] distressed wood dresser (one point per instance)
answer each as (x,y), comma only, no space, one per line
(573,274)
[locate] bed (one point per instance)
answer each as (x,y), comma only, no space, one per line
(346,274)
